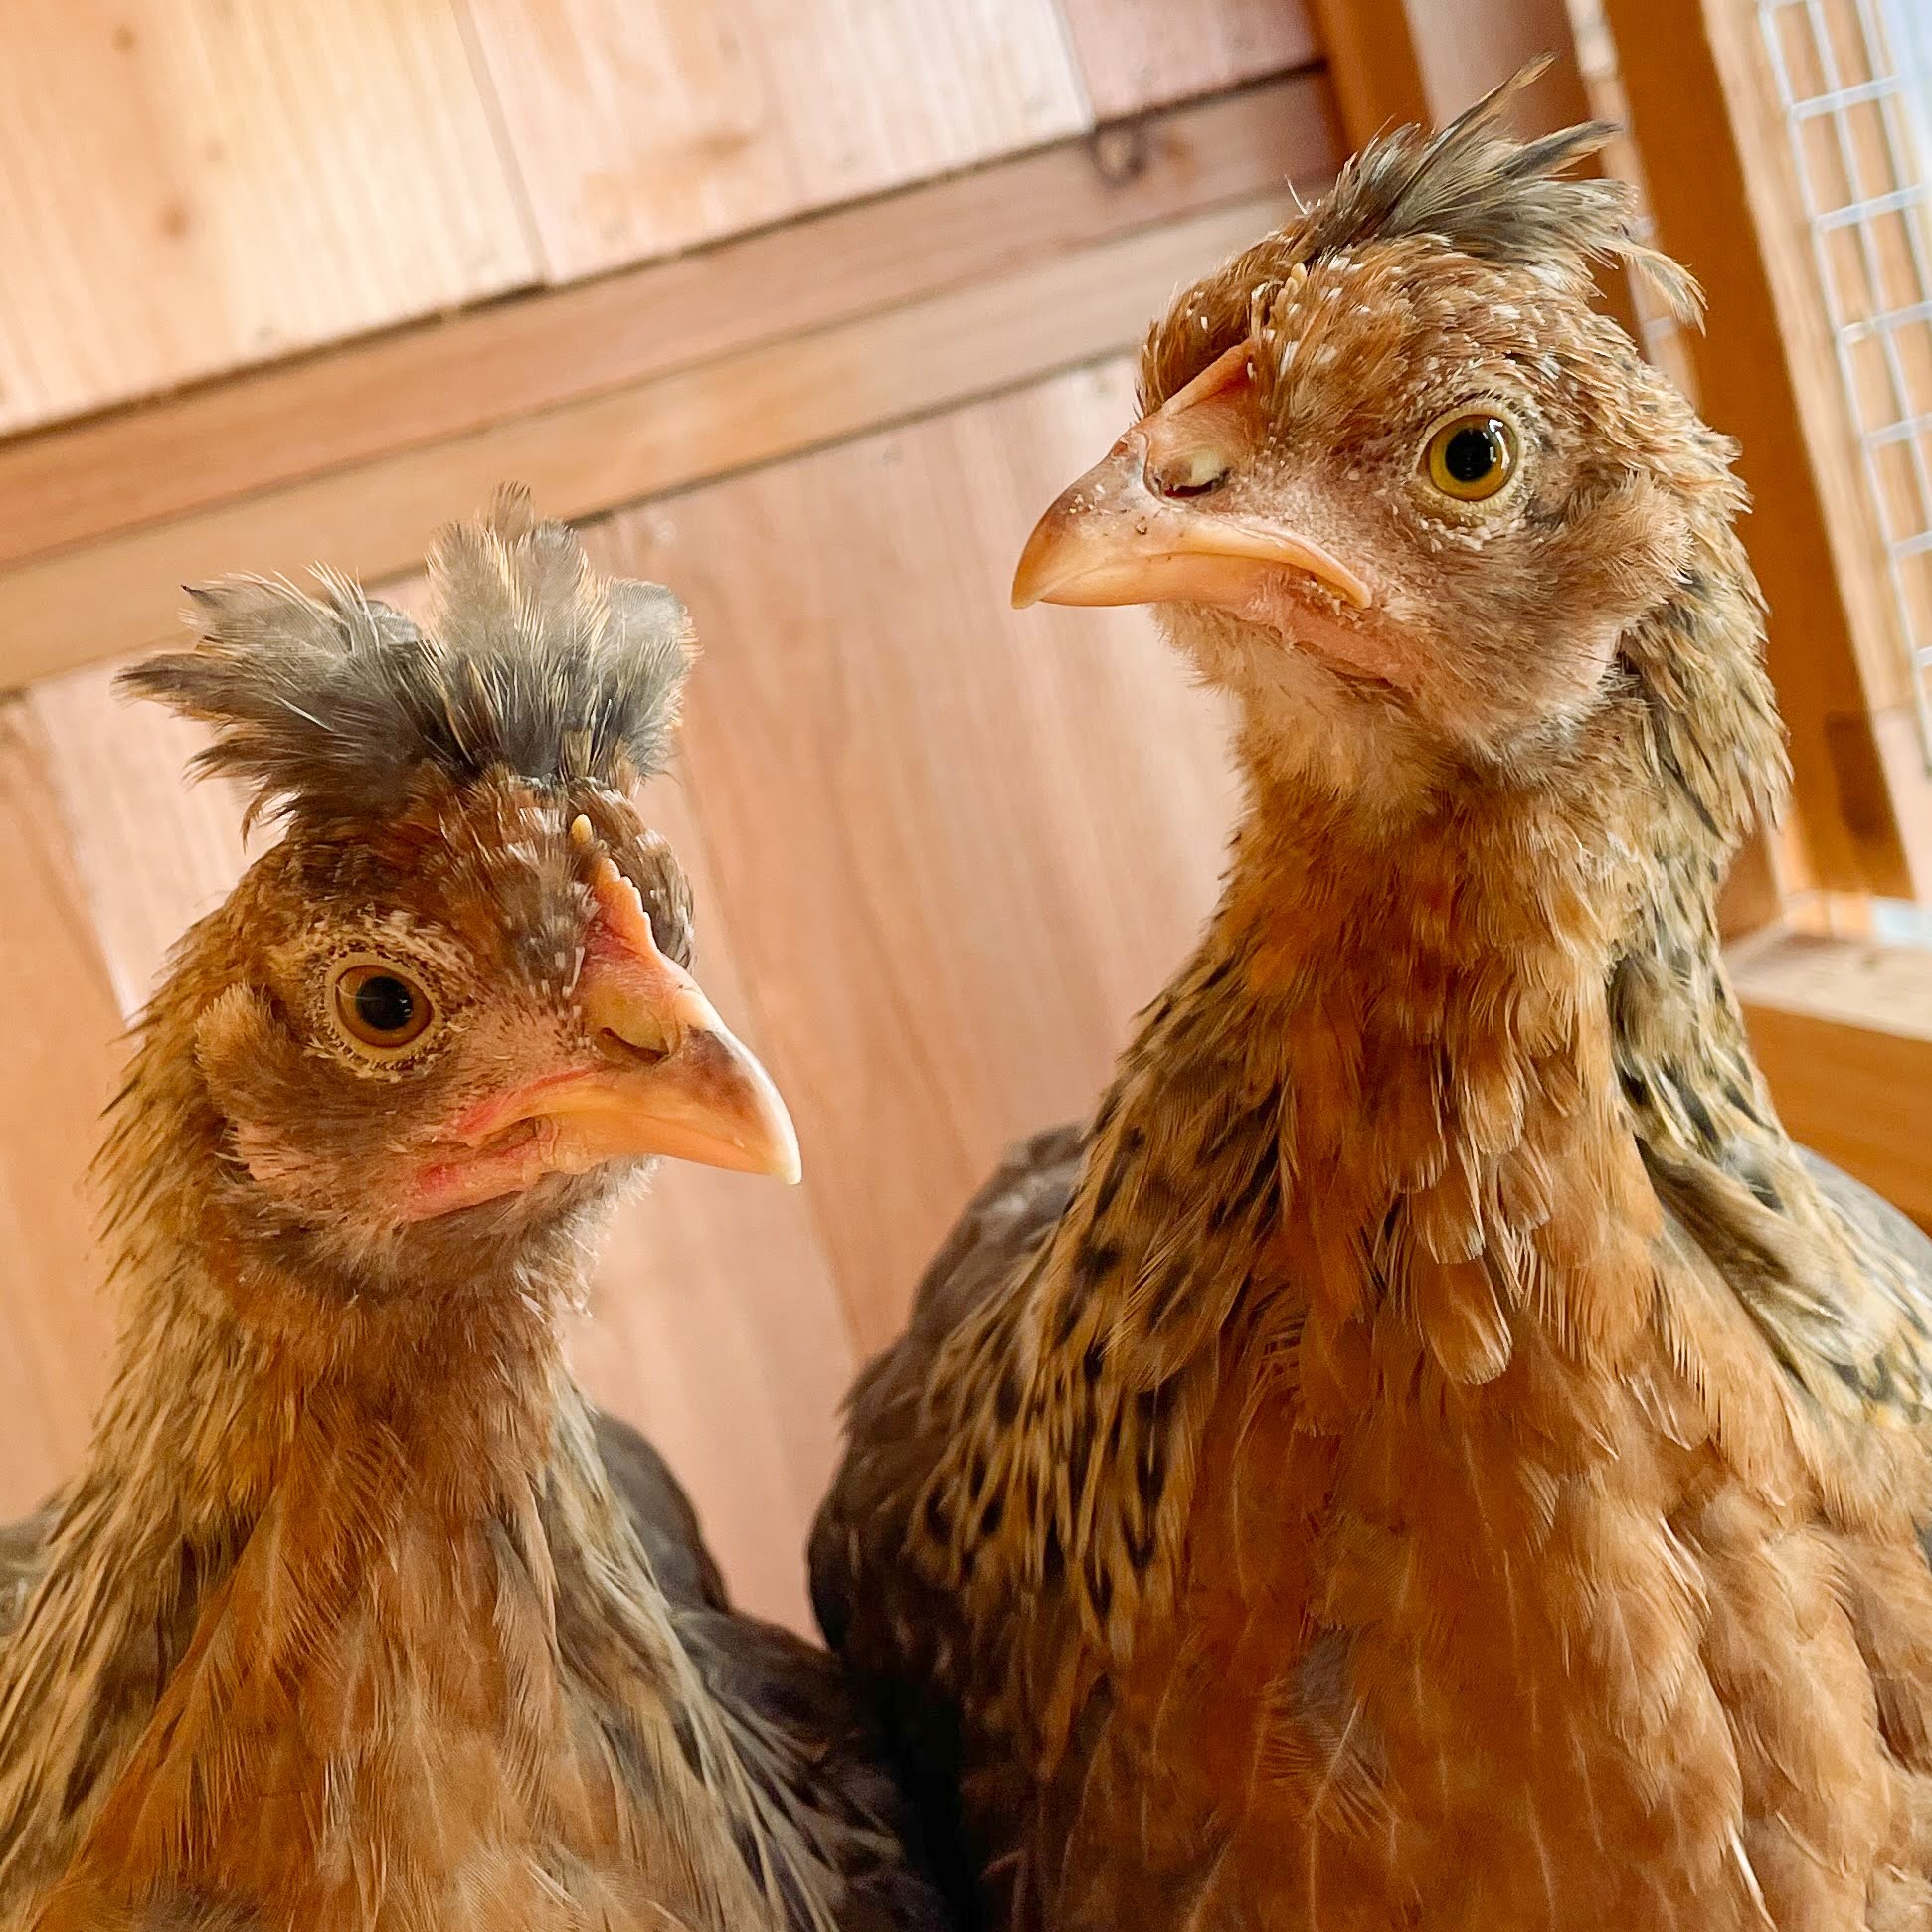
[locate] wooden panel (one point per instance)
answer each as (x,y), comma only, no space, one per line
(1421,62)
(961,846)
(190,184)
(1721,183)
(1137,54)
(58,1068)
(644,126)
(715,1323)
(1843,1032)
(584,457)
(1373,66)
(1901,773)
(450,378)
(152,854)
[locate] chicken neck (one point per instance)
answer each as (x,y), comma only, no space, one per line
(1376,1135)
(322,1520)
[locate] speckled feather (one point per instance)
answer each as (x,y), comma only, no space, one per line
(1432,1453)
(353,1617)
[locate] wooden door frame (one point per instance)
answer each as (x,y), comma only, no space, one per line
(1422,61)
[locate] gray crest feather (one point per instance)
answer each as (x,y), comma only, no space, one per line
(1491,197)
(332,704)
(1471,188)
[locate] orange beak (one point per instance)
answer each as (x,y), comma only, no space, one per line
(1116,537)
(673,1082)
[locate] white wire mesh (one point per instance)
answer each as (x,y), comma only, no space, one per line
(1854,84)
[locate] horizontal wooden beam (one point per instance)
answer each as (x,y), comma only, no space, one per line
(582,457)
(478,369)
(1843,1032)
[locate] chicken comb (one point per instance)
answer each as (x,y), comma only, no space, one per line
(332,705)
(1471,188)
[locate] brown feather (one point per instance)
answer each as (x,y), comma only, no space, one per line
(353,1617)
(1499,1449)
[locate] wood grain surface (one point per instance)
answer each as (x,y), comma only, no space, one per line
(189,185)
(807,309)
(459,374)
(959,846)
(639,126)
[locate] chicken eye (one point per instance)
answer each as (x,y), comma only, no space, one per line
(1472,456)
(379,1006)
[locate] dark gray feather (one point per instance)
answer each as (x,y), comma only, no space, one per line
(1493,198)
(333,705)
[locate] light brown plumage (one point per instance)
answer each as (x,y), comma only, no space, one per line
(1433,1452)
(354,1619)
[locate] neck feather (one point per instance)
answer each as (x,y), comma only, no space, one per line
(1429,1024)
(1385,1084)
(242,1327)
(293,1485)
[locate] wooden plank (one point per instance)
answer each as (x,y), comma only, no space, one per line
(584,456)
(1843,1031)
(1885,987)
(1140,54)
(714,1322)
(1721,185)
(187,185)
(451,377)
(152,854)
(1373,66)
(1900,771)
(1420,63)
(638,126)
(961,845)
(60,1067)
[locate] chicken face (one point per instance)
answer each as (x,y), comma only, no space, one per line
(1396,486)
(1416,498)
(451,1007)
(488,999)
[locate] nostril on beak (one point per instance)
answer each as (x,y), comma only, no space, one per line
(1196,472)
(622,1052)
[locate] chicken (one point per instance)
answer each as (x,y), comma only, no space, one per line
(355,1616)
(1432,1453)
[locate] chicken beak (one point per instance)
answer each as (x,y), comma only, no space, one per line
(694,1091)
(1115,537)
(673,1081)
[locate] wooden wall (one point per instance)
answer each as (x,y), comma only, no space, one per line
(941,851)
(195,185)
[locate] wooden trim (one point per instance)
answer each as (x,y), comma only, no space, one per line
(1843,1032)
(1720,178)
(1422,61)
(664,433)
(1374,66)
(470,374)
